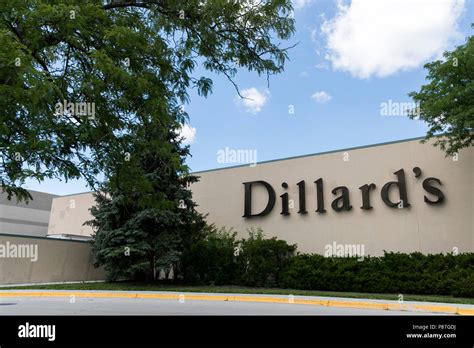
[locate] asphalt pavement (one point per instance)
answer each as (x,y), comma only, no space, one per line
(99,303)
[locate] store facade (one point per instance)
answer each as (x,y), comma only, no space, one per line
(402,196)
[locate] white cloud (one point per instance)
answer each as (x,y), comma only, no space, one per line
(321,97)
(253,100)
(380,38)
(300,4)
(188,133)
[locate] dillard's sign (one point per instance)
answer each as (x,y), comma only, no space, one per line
(342,202)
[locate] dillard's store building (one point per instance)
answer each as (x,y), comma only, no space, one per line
(401,196)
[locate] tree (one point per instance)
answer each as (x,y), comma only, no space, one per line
(446,103)
(118,58)
(144,225)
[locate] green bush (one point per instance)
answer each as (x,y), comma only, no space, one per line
(212,260)
(222,259)
(261,260)
(415,273)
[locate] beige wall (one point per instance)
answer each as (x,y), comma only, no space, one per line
(26,218)
(421,227)
(58,261)
(68,214)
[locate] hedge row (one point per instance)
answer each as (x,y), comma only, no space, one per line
(415,273)
(221,259)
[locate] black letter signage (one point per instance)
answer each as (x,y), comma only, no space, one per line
(248,198)
(433,190)
(342,201)
(402,189)
(344,198)
(366,196)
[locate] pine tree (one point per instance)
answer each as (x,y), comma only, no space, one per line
(145,217)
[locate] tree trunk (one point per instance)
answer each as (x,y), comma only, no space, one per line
(154,268)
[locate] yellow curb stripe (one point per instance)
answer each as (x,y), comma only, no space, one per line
(358,304)
(433,308)
(312,302)
(159,296)
(465,311)
(239,298)
(397,307)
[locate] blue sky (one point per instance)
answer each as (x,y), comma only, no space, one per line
(351,57)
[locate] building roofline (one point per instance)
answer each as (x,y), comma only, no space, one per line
(285,159)
(75,194)
(43,238)
(45,193)
(312,154)
(34,191)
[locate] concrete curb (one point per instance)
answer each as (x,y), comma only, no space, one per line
(344,303)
